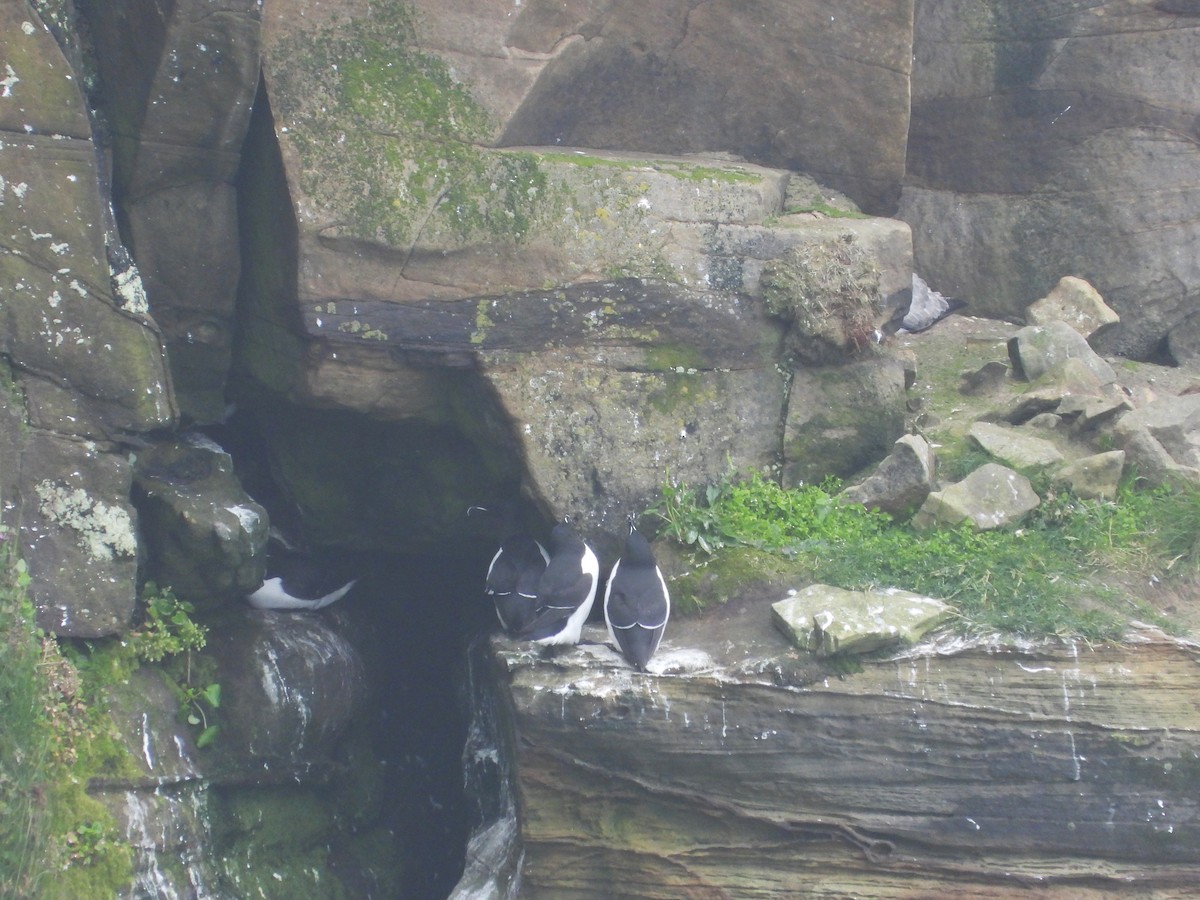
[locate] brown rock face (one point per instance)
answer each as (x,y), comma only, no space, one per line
(742,773)
(1049,141)
(83,362)
(177,84)
(819,88)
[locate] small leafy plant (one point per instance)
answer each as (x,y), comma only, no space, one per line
(167,627)
(168,630)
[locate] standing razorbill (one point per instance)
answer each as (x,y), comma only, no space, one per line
(636,602)
(512,581)
(565,591)
(513,574)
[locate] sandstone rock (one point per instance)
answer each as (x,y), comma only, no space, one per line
(1013,447)
(1183,341)
(826,620)
(1047,421)
(79,535)
(746,774)
(1075,302)
(290,685)
(1066,388)
(1036,349)
(1160,439)
(993,496)
(1094,477)
(1098,412)
(178,86)
(901,482)
(841,419)
(1041,160)
(666,65)
(205,537)
(987,379)
(63,323)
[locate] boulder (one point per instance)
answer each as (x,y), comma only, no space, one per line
(617,75)
(1047,140)
(1160,439)
(290,684)
(1013,447)
(987,379)
(826,620)
(94,357)
(204,536)
(993,496)
(841,419)
(901,482)
(1094,477)
(1067,387)
(1075,302)
(1036,349)
(1183,341)
(79,536)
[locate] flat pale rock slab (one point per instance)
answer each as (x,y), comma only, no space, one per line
(827,620)
(993,496)
(1014,447)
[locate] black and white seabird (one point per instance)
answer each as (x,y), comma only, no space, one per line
(512,581)
(297,581)
(514,572)
(565,591)
(636,602)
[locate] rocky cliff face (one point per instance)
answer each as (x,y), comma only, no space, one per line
(1048,141)
(443,254)
(739,768)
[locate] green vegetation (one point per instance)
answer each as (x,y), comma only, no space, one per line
(829,292)
(25,734)
(168,633)
(55,840)
(826,209)
(1047,577)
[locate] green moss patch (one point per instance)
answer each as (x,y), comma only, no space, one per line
(390,143)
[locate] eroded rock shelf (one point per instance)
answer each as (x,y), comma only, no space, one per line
(738,769)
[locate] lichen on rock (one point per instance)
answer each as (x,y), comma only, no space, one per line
(105,531)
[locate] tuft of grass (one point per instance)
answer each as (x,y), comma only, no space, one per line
(829,293)
(26,765)
(1045,578)
(55,840)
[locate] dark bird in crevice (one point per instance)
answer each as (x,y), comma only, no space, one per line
(514,572)
(298,580)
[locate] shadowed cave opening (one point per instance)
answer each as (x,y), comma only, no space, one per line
(382,496)
(414,617)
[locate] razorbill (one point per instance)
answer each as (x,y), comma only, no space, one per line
(297,580)
(566,590)
(512,581)
(636,602)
